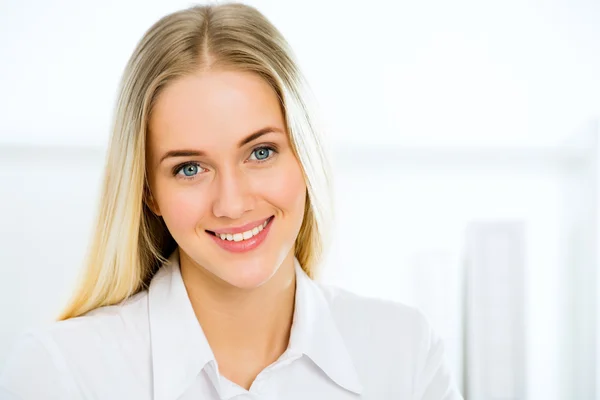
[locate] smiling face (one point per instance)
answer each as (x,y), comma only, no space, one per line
(220,166)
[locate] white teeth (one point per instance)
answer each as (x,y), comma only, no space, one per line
(238,237)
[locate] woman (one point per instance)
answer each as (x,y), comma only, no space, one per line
(199,280)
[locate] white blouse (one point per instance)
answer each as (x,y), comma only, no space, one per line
(342,346)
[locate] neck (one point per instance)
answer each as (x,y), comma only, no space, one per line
(243,325)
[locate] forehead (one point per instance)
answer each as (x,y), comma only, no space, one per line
(211,108)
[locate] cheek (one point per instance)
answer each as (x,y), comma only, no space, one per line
(285,187)
(183,207)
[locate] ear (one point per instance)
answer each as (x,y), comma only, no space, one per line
(151,202)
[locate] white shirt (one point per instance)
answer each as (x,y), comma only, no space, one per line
(342,346)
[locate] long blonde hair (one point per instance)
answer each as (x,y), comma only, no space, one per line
(129,242)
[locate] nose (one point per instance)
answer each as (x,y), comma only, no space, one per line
(233,196)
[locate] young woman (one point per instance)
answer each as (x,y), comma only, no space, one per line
(212,222)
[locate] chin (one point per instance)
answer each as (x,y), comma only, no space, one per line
(245,272)
(248,277)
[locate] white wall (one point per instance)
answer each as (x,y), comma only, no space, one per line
(454,73)
(47,202)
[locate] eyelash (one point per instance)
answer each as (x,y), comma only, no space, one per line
(179,167)
(263,147)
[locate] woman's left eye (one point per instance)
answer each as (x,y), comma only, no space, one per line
(261,153)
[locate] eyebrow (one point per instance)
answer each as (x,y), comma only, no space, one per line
(243,142)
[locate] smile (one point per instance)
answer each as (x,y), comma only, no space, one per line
(241,241)
(238,237)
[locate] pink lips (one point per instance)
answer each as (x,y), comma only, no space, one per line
(241,229)
(243,245)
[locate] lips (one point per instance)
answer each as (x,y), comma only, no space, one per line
(238,237)
(242,228)
(240,244)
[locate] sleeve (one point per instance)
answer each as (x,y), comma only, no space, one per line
(433,380)
(33,371)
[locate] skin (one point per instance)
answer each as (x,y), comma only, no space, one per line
(243,301)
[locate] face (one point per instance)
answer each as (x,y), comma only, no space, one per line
(223,175)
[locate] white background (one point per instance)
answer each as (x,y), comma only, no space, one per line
(438,113)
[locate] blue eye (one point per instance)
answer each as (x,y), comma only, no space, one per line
(188,170)
(262,153)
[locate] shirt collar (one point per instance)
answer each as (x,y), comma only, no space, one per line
(315,334)
(180,349)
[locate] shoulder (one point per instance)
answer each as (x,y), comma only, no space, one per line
(383,335)
(101,326)
(350,309)
(58,352)
(376,326)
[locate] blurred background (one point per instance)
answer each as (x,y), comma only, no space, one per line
(465,143)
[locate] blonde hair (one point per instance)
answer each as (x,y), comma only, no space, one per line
(130,242)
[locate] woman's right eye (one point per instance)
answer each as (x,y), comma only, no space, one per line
(188,170)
